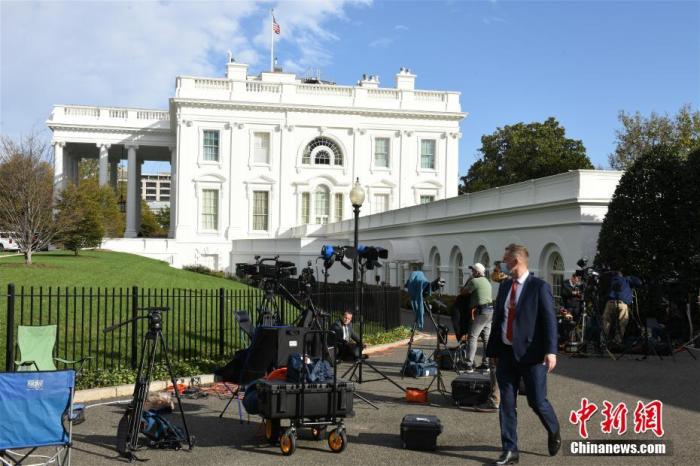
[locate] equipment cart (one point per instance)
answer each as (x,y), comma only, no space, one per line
(317,406)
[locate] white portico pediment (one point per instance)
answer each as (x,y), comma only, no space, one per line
(427,188)
(313,182)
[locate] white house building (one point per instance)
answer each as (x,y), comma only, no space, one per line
(264,164)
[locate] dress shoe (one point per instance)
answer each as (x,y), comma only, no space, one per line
(507,457)
(553,442)
(486,407)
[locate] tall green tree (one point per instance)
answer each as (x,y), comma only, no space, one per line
(648,229)
(78,218)
(640,134)
(521,152)
(104,200)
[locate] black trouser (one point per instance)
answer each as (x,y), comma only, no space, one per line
(349,351)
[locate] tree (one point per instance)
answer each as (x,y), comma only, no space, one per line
(163,218)
(26,193)
(521,152)
(150,228)
(640,134)
(78,217)
(104,200)
(646,231)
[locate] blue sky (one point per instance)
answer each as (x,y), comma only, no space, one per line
(580,62)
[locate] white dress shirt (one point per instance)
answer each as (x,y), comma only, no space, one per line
(518,291)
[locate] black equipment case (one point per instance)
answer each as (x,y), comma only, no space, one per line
(270,349)
(420,431)
(278,399)
(471,389)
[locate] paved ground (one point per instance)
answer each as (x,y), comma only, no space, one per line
(468,437)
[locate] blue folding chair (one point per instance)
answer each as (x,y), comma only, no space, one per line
(34,409)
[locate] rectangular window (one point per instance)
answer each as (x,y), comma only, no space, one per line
(305,208)
(210,147)
(261,147)
(338,207)
(381,203)
(424,199)
(427,153)
(381,152)
(210,209)
(260,210)
(322,206)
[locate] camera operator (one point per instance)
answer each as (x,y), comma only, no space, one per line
(478,289)
(619,299)
(571,295)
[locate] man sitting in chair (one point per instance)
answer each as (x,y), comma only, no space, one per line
(348,340)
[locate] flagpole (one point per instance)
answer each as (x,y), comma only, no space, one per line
(272,43)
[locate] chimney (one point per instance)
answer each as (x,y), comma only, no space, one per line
(371,81)
(405,80)
(236,71)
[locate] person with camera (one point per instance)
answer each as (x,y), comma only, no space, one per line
(523,345)
(348,342)
(478,288)
(571,295)
(619,299)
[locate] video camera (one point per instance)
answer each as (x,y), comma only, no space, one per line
(370,254)
(277,270)
(331,254)
(437,284)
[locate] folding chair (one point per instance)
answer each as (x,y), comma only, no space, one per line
(36,344)
(34,409)
(246,326)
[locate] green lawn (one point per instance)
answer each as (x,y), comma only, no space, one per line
(100,269)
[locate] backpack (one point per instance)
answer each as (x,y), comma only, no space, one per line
(161,432)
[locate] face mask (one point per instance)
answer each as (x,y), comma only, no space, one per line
(504,268)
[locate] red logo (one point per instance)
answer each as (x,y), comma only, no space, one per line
(582,416)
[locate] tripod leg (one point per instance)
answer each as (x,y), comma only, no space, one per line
(410,346)
(143,382)
(164,348)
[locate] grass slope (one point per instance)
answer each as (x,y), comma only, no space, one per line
(99,269)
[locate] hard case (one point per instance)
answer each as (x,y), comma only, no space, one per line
(420,431)
(279,399)
(471,389)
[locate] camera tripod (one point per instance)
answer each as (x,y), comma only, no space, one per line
(130,423)
(355,370)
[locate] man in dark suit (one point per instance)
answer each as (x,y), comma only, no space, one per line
(523,343)
(348,341)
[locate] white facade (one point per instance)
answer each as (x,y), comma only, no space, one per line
(264,165)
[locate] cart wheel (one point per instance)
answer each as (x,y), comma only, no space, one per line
(272,430)
(337,440)
(318,432)
(288,442)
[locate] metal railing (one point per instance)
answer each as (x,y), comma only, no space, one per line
(199,323)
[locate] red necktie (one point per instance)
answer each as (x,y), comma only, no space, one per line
(511,310)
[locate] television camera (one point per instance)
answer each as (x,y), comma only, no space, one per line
(368,255)
(263,269)
(331,254)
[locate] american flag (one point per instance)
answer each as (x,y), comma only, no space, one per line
(275,26)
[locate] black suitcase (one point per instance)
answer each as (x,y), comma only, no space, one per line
(420,431)
(471,389)
(279,399)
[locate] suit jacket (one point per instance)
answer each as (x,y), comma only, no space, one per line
(337,328)
(535,325)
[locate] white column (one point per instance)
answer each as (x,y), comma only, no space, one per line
(173,192)
(139,194)
(132,198)
(103,164)
(114,175)
(59,166)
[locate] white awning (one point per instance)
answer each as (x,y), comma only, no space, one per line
(404,250)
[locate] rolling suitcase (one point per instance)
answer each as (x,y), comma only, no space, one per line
(420,431)
(471,389)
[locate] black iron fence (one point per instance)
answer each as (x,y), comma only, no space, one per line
(199,323)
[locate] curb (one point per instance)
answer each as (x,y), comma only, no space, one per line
(102,393)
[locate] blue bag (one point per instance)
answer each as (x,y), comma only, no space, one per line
(416,355)
(295,368)
(250,398)
(160,430)
(319,371)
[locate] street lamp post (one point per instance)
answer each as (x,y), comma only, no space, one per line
(357,197)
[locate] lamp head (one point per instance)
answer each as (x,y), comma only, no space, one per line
(357,193)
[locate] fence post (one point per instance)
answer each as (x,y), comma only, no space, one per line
(386,311)
(222,303)
(10,350)
(134,325)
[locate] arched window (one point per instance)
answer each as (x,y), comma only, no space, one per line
(322,205)
(482,256)
(459,265)
(322,151)
(555,267)
(436,266)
